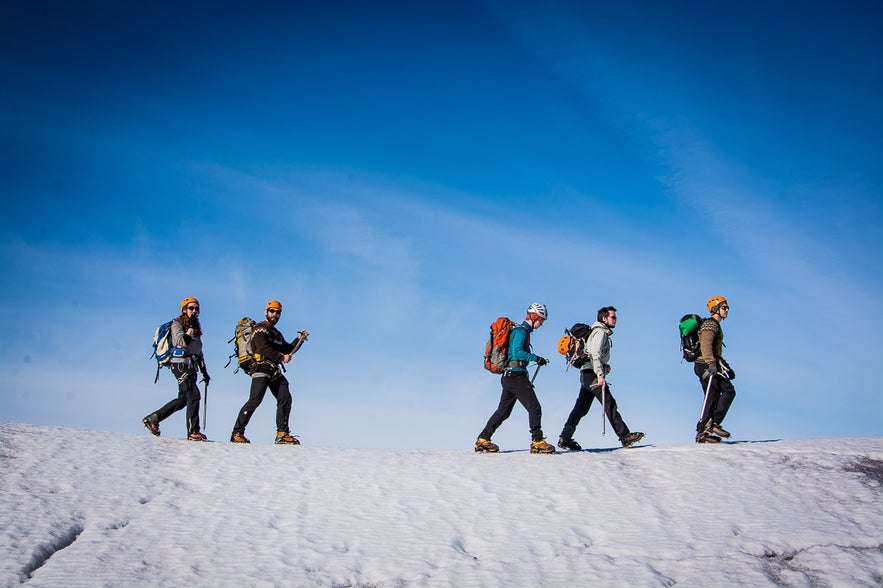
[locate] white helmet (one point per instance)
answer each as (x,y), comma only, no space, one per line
(539,309)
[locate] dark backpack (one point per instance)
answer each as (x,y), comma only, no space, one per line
(573,345)
(496,352)
(689,330)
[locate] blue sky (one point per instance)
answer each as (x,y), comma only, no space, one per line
(399,174)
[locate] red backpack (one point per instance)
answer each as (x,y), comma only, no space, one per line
(496,352)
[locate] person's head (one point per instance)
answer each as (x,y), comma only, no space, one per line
(718,306)
(190,305)
(190,312)
(273,311)
(607,315)
(536,315)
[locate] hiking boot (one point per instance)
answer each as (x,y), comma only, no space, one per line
(197,436)
(151,425)
(707,436)
(483,445)
(283,438)
(569,444)
(719,431)
(238,438)
(541,447)
(631,439)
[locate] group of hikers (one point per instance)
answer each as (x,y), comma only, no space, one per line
(270,351)
(593,361)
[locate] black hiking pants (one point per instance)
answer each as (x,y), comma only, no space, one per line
(588,391)
(516,387)
(278,386)
(720,397)
(188,396)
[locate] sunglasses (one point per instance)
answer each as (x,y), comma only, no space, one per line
(725,307)
(274,311)
(196,308)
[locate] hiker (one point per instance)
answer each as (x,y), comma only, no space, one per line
(518,387)
(271,351)
(186,335)
(714,373)
(593,384)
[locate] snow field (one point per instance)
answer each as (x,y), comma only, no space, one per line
(84,508)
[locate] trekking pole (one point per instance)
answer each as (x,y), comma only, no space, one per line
(535,374)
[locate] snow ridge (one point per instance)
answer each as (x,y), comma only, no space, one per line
(86,508)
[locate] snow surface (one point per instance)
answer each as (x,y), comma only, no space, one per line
(87,508)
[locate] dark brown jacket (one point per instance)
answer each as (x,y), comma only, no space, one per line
(711,342)
(268,343)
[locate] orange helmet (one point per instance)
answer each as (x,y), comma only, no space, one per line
(564,344)
(713,303)
(188,300)
(274,304)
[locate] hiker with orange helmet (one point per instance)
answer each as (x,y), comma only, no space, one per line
(714,374)
(271,350)
(186,334)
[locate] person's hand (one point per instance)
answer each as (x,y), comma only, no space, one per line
(542,361)
(286,358)
(731,373)
(206,378)
(710,370)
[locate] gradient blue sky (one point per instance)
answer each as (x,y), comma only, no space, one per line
(399,174)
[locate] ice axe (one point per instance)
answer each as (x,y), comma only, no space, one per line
(604,409)
(205,405)
(301,337)
(535,374)
(705,402)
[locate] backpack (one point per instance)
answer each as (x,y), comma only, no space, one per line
(689,329)
(163,349)
(573,345)
(242,349)
(496,352)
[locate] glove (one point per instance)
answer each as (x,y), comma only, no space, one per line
(542,361)
(731,373)
(205,377)
(710,370)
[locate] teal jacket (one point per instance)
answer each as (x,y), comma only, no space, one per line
(519,347)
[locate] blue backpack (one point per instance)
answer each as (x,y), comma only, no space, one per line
(163,349)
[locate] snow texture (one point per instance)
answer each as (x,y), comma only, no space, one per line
(87,508)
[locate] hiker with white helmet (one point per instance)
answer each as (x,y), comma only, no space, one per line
(186,338)
(517,387)
(714,373)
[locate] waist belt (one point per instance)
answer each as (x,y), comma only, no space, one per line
(515,365)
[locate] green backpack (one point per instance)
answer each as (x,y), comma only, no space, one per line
(689,330)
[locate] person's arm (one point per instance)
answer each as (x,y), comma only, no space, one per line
(518,351)
(261,344)
(707,330)
(597,339)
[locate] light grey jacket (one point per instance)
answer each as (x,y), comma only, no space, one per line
(598,349)
(192,349)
